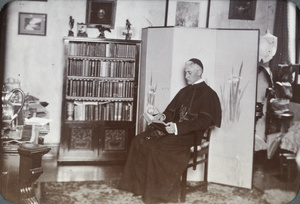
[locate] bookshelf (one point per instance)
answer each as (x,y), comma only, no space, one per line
(99,99)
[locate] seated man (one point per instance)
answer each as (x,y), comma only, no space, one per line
(155,164)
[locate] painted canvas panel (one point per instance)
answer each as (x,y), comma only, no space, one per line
(231,150)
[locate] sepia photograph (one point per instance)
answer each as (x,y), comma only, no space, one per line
(150,102)
(32,23)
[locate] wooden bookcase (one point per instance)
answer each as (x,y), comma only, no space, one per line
(99,99)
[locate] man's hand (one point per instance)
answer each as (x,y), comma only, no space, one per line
(170,128)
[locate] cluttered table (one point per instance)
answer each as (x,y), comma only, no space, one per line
(30,126)
(22,137)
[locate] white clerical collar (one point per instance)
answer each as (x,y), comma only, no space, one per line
(198,81)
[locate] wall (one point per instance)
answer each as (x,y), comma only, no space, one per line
(264,16)
(37,61)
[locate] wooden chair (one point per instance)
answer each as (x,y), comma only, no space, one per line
(199,155)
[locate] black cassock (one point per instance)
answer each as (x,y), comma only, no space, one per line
(155,164)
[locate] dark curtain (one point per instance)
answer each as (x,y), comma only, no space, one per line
(283,26)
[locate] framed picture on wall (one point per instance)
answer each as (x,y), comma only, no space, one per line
(242,9)
(101,12)
(191,13)
(32,24)
(187,14)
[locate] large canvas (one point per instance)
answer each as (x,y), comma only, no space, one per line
(231,150)
(230,60)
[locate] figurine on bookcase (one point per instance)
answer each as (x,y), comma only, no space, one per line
(102,30)
(71,24)
(128,34)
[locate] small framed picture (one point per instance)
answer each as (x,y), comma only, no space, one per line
(101,12)
(81,30)
(242,9)
(32,24)
(187,14)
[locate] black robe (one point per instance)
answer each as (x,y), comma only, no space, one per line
(155,164)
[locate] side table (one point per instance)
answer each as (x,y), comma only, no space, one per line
(30,169)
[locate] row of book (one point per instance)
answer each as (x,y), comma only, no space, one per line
(95,68)
(102,49)
(97,111)
(95,88)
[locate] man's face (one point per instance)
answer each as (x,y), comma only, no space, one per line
(101,13)
(192,73)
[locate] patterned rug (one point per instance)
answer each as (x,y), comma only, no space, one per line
(95,192)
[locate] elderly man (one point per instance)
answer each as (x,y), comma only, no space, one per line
(155,163)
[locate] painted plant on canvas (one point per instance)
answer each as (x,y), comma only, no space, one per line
(232,93)
(151,109)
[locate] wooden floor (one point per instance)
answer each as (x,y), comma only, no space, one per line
(58,172)
(266,173)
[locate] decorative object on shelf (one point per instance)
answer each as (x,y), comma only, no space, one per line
(71,24)
(102,30)
(128,27)
(81,30)
(70,110)
(32,23)
(101,12)
(242,10)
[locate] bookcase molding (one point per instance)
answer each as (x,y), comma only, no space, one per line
(99,99)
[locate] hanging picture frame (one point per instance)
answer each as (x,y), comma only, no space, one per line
(32,24)
(179,11)
(187,14)
(101,12)
(242,9)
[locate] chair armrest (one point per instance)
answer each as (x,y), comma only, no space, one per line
(199,147)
